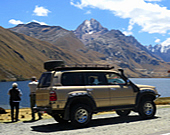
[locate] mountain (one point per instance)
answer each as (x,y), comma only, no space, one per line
(23,56)
(160,50)
(92,43)
(59,37)
(89,30)
(124,51)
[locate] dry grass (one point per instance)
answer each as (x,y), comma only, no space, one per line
(162,101)
(24,115)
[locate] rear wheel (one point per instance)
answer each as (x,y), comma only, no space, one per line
(80,115)
(147,109)
(123,113)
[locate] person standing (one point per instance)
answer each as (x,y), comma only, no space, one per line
(15,98)
(33,85)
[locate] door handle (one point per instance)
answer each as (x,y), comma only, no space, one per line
(112,88)
(89,89)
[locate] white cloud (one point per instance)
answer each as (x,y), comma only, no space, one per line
(42,23)
(88,12)
(153,0)
(166,42)
(157,40)
(152,18)
(41,11)
(15,22)
(127,33)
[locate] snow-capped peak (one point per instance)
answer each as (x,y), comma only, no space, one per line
(90,27)
(87,23)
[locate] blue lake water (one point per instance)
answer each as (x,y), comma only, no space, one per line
(162,85)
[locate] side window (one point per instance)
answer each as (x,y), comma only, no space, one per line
(72,79)
(95,79)
(114,79)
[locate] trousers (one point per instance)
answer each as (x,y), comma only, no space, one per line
(32,104)
(14,105)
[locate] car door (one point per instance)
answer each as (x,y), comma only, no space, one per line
(120,92)
(96,85)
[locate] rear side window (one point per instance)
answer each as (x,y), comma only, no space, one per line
(72,79)
(45,80)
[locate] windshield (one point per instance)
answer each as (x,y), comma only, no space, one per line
(45,80)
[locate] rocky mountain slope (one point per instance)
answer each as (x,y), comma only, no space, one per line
(23,56)
(124,51)
(59,37)
(95,44)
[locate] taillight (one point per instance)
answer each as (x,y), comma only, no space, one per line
(53,96)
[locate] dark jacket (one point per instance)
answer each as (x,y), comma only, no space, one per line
(14,94)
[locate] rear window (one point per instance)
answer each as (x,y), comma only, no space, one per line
(72,79)
(45,80)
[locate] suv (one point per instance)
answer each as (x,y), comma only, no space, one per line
(75,93)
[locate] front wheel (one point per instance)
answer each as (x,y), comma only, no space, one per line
(123,113)
(80,115)
(147,109)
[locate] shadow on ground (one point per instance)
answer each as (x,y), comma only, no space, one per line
(94,123)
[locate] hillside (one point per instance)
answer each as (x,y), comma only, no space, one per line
(23,56)
(59,37)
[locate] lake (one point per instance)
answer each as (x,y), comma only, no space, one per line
(162,85)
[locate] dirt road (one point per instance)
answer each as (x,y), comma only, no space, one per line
(103,124)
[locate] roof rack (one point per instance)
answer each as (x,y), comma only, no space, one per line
(84,67)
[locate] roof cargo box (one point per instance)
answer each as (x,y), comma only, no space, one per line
(52,64)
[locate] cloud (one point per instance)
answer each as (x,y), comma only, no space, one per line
(166,42)
(41,11)
(15,22)
(157,40)
(88,12)
(151,17)
(42,23)
(153,0)
(127,33)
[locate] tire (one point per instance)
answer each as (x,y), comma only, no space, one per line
(80,115)
(59,118)
(147,109)
(52,64)
(123,113)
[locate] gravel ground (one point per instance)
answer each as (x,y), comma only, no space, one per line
(108,124)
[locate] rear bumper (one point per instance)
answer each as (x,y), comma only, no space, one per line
(46,109)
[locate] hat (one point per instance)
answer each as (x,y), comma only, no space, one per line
(14,85)
(33,78)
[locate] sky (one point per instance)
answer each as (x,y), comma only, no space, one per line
(147,20)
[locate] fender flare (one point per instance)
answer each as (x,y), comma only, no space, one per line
(76,98)
(145,93)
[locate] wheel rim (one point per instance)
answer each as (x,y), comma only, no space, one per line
(148,108)
(81,115)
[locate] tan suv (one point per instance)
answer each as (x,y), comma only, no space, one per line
(75,93)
